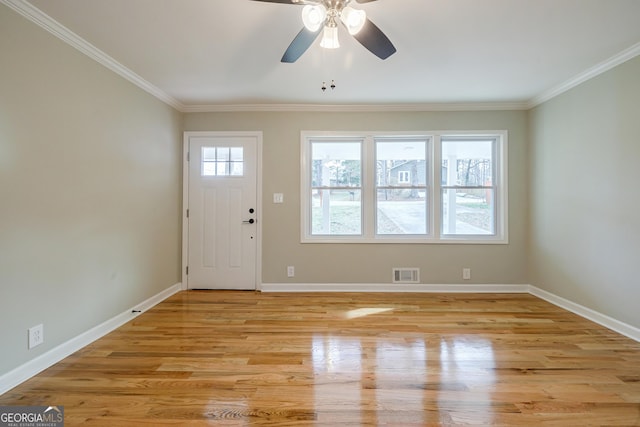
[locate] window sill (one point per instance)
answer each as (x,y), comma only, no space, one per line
(466,240)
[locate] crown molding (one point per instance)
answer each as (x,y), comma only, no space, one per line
(47,23)
(356,108)
(588,74)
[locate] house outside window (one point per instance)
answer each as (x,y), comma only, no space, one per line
(428,187)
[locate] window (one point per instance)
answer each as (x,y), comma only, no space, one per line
(468,193)
(401,202)
(222,161)
(383,188)
(336,189)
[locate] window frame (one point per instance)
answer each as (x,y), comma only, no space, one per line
(434,184)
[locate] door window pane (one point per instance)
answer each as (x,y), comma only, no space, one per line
(236,161)
(222,161)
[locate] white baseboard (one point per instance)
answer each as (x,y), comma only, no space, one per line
(53,356)
(599,318)
(388,287)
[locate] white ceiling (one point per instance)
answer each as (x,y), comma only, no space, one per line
(207,54)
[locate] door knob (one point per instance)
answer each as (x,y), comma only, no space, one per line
(250,221)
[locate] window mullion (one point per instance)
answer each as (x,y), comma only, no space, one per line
(369,187)
(305,187)
(436,195)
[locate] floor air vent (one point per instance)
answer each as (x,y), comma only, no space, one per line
(406,275)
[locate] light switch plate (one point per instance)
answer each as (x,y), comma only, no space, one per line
(278,198)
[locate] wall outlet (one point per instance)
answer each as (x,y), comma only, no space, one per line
(291,271)
(466,274)
(36,335)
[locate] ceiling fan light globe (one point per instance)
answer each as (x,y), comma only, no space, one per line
(313,16)
(353,19)
(330,38)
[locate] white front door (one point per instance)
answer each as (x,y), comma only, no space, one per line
(222,209)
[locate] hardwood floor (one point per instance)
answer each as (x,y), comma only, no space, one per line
(246,358)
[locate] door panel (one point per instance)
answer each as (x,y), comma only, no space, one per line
(222,203)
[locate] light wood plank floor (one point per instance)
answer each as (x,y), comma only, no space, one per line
(246,358)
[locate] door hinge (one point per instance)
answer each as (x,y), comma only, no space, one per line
(187,270)
(188,156)
(187,213)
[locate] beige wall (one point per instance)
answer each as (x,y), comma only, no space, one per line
(585,209)
(90,191)
(372,263)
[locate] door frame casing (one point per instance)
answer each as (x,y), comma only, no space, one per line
(185,197)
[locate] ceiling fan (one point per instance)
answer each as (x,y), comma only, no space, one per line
(325,14)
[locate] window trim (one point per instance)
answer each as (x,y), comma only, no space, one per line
(434,183)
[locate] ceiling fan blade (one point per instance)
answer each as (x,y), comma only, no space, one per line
(364,1)
(371,37)
(299,45)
